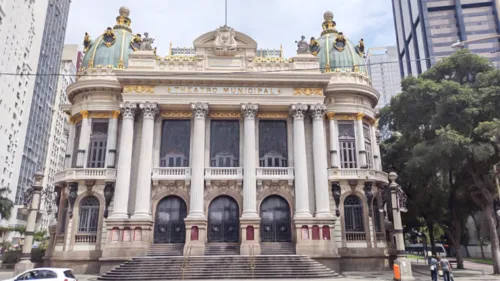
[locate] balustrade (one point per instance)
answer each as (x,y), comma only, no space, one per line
(224,172)
(85,238)
(85,174)
(361,174)
(355,236)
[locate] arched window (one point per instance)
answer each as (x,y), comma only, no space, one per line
(376,215)
(353,213)
(89,215)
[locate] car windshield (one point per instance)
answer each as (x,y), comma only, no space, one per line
(69,274)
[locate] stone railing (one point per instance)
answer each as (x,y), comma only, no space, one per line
(59,238)
(171,173)
(355,236)
(85,174)
(86,238)
(226,173)
(275,173)
(357,174)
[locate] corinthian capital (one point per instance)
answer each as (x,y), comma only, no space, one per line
(128,109)
(249,110)
(149,110)
(298,111)
(317,110)
(200,110)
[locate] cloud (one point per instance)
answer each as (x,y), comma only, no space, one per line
(269,22)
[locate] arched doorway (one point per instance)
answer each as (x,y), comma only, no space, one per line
(223,220)
(276,223)
(169,221)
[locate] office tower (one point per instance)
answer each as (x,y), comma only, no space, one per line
(425,30)
(383,67)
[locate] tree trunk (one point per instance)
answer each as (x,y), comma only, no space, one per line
(430,227)
(495,244)
(458,253)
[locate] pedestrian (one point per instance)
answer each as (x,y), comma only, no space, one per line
(433,264)
(446,266)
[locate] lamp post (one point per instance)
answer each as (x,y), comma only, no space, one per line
(398,205)
(461,44)
(33,207)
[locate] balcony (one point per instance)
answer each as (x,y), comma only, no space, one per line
(275,174)
(82,174)
(171,174)
(357,174)
(224,174)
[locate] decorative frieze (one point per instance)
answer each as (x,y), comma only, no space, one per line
(115,114)
(308,92)
(249,110)
(273,115)
(140,89)
(176,114)
(225,115)
(101,115)
(345,117)
(317,110)
(360,115)
(170,188)
(298,111)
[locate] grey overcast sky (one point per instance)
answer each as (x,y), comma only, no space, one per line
(269,22)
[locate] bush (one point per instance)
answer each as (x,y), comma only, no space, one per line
(37,255)
(14,257)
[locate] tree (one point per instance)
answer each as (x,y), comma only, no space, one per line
(449,135)
(6,204)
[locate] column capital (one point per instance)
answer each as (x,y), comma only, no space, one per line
(249,110)
(330,115)
(317,110)
(115,114)
(149,110)
(200,110)
(84,113)
(128,109)
(298,110)
(360,115)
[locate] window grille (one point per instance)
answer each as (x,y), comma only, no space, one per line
(353,213)
(89,215)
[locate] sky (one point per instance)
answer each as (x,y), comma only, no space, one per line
(269,22)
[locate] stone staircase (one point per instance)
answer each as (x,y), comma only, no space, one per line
(275,248)
(156,250)
(222,249)
(219,267)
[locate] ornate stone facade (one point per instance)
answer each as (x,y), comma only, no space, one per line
(247,152)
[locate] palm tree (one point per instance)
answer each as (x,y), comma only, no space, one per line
(6,204)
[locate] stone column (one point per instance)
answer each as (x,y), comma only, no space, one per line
(157,142)
(320,161)
(120,205)
(334,141)
(112,136)
(377,161)
(70,143)
(143,192)
(84,140)
(249,181)
(360,141)
(299,153)
(200,111)
(33,207)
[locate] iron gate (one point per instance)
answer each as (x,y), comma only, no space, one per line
(169,223)
(223,220)
(276,224)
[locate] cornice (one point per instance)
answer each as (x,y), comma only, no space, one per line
(93,86)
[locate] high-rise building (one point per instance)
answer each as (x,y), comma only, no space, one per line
(383,67)
(21,29)
(42,105)
(426,29)
(54,161)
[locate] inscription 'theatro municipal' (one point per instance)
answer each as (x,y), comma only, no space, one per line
(224,90)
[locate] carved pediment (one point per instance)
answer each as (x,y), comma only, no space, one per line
(225,37)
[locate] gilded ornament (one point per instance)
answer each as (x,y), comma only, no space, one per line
(71,120)
(340,42)
(109,37)
(86,43)
(176,114)
(139,89)
(308,92)
(84,113)
(180,58)
(345,117)
(272,115)
(329,25)
(359,115)
(115,114)
(330,115)
(226,114)
(100,115)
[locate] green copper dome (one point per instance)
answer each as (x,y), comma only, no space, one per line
(113,47)
(336,52)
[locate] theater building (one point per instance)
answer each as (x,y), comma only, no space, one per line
(221,146)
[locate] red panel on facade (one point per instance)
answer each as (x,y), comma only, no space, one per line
(305,232)
(250,232)
(194,233)
(315,232)
(326,232)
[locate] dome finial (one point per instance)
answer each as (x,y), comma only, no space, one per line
(329,25)
(123,21)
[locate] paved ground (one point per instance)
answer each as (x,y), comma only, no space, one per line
(474,272)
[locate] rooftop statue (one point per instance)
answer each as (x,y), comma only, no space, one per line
(314,46)
(86,43)
(136,42)
(360,48)
(302,46)
(225,41)
(329,25)
(147,42)
(109,37)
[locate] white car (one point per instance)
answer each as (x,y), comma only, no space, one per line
(46,274)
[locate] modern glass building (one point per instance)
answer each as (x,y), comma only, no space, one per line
(37,136)
(426,29)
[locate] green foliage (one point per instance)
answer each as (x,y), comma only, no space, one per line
(448,135)
(6,204)
(13,257)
